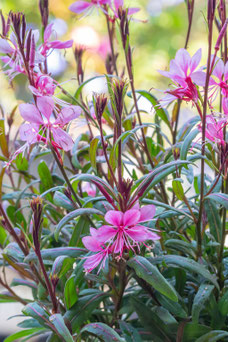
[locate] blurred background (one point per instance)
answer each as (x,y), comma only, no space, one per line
(155,42)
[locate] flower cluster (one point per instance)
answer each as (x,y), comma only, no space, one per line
(124,232)
(45,120)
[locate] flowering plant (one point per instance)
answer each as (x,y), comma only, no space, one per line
(120,232)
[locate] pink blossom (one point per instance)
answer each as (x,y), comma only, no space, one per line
(120,4)
(80,7)
(92,244)
(55,44)
(183,72)
(214,129)
(124,232)
(42,126)
(43,85)
(218,79)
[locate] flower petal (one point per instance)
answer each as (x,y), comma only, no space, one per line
(80,6)
(114,217)
(62,138)
(67,114)
(105,233)
(183,60)
(5,47)
(92,261)
(195,60)
(91,243)
(218,70)
(45,105)
(28,132)
(147,213)
(48,32)
(30,113)
(131,217)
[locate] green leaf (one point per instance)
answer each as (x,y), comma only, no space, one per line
(21,163)
(61,266)
(73,215)
(183,246)
(200,299)
(63,201)
(58,322)
(161,112)
(223,304)
(213,336)
(3,141)
(148,272)
(93,152)
(187,264)
(23,333)
(3,236)
(150,321)
(16,217)
(35,311)
(80,229)
(214,220)
(193,331)
(187,142)
(102,331)
(178,189)
(161,172)
(220,198)
(173,307)
(83,308)
(45,178)
(130,334)
(70,293)
(53,253)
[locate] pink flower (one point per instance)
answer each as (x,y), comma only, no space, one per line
(120,4)
(55,44)
(214,129)
(124,232)
(218,79)
(42,126)
(183,72)
(93,245)
(80,7)
(12,59)
(44,85)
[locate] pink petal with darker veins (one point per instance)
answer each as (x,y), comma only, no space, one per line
(80,6)
(67,114)
(48,32)
(131,217)
(45,105)
(57,44)
(195,60)
(30,113)
(105,233)
(28,132)
(147,213)
(218,70)
(199,78)
(114,217)
(138,233)
(91,244)
(183,59)
(62,138)
(93,261)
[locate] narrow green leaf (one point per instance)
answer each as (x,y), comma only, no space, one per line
(93,152)
(73,215)
(219,198)
(148,272)
(70,293)
(213,336)
(200,299)
(58,322)
(178,189)
(53,253)
(23,333)
(102,331)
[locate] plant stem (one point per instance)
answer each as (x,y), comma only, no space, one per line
(198,226)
